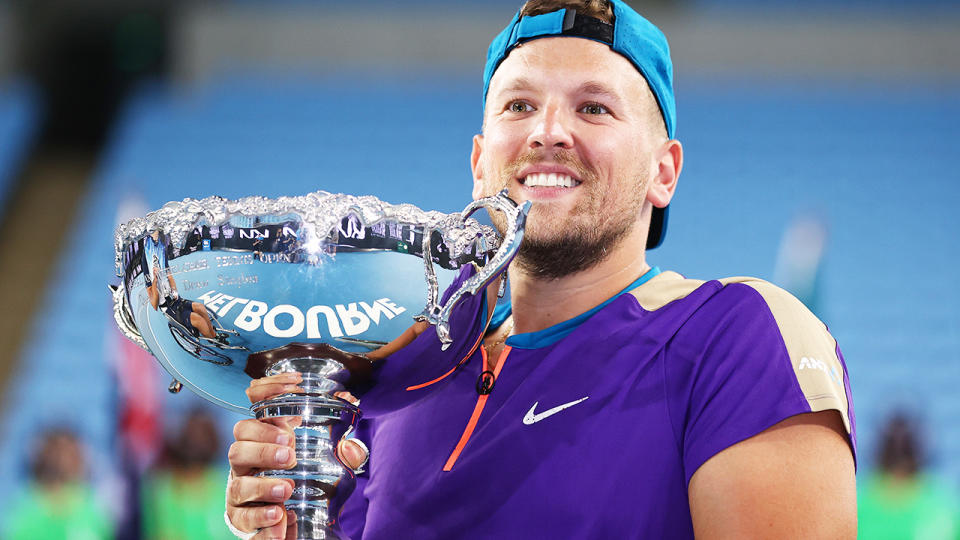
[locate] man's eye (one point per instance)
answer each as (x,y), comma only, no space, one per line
(594,108)
(519,106)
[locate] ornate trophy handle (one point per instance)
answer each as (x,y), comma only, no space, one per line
(121,314)
(516,215)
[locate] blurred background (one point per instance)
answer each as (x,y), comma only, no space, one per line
(819,154)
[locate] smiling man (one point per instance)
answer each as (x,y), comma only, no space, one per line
(609,399)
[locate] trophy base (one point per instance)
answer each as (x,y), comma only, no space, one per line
(313,523)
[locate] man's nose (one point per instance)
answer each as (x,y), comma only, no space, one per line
(552,129)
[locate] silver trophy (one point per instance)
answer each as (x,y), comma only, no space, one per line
(224,291)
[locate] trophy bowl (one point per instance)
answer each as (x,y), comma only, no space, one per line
(225,291)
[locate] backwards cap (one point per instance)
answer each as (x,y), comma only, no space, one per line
(630,35)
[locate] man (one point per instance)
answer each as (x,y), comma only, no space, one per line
(609,399)
(191,315)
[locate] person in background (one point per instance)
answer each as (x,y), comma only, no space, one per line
(183,498)
(59,504)
(899,500)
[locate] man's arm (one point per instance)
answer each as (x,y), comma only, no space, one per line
(400,342)
(793,480)
(173,286)
(153,293)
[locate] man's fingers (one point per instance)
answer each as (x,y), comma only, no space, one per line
(251,518)
(256,431)
(347,396)
(266,391)
(352,453)
(288,378)
(251,489)
(274,385)
(285,530)
(274,432)
(278,531)
(245,456)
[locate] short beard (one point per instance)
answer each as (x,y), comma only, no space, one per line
(582,247)
(561,257)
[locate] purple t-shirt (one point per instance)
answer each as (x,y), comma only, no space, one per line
(595,431)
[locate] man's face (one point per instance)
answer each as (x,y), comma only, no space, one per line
(567,126)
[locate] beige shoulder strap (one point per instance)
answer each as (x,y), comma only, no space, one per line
(812,350)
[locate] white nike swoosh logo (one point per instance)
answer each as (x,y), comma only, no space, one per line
(532,418)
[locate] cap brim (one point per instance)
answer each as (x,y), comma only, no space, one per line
(658,227)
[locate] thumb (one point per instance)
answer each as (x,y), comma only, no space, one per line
(353,453)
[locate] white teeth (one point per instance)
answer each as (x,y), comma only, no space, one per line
(549,180)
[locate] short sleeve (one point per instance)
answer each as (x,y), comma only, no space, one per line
(750,357)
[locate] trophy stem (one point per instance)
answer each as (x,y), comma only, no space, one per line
(321,482)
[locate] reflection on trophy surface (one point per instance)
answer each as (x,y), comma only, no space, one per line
(222,292)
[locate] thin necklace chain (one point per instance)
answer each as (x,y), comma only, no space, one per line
(502,339)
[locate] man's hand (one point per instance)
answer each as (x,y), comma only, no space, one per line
(257,503)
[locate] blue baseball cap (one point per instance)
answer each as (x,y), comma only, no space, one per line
(630,35)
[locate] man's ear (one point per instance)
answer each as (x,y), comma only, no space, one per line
(668,164)
(475,166)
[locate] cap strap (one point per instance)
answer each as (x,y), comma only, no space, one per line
(563,22)
(585,26)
